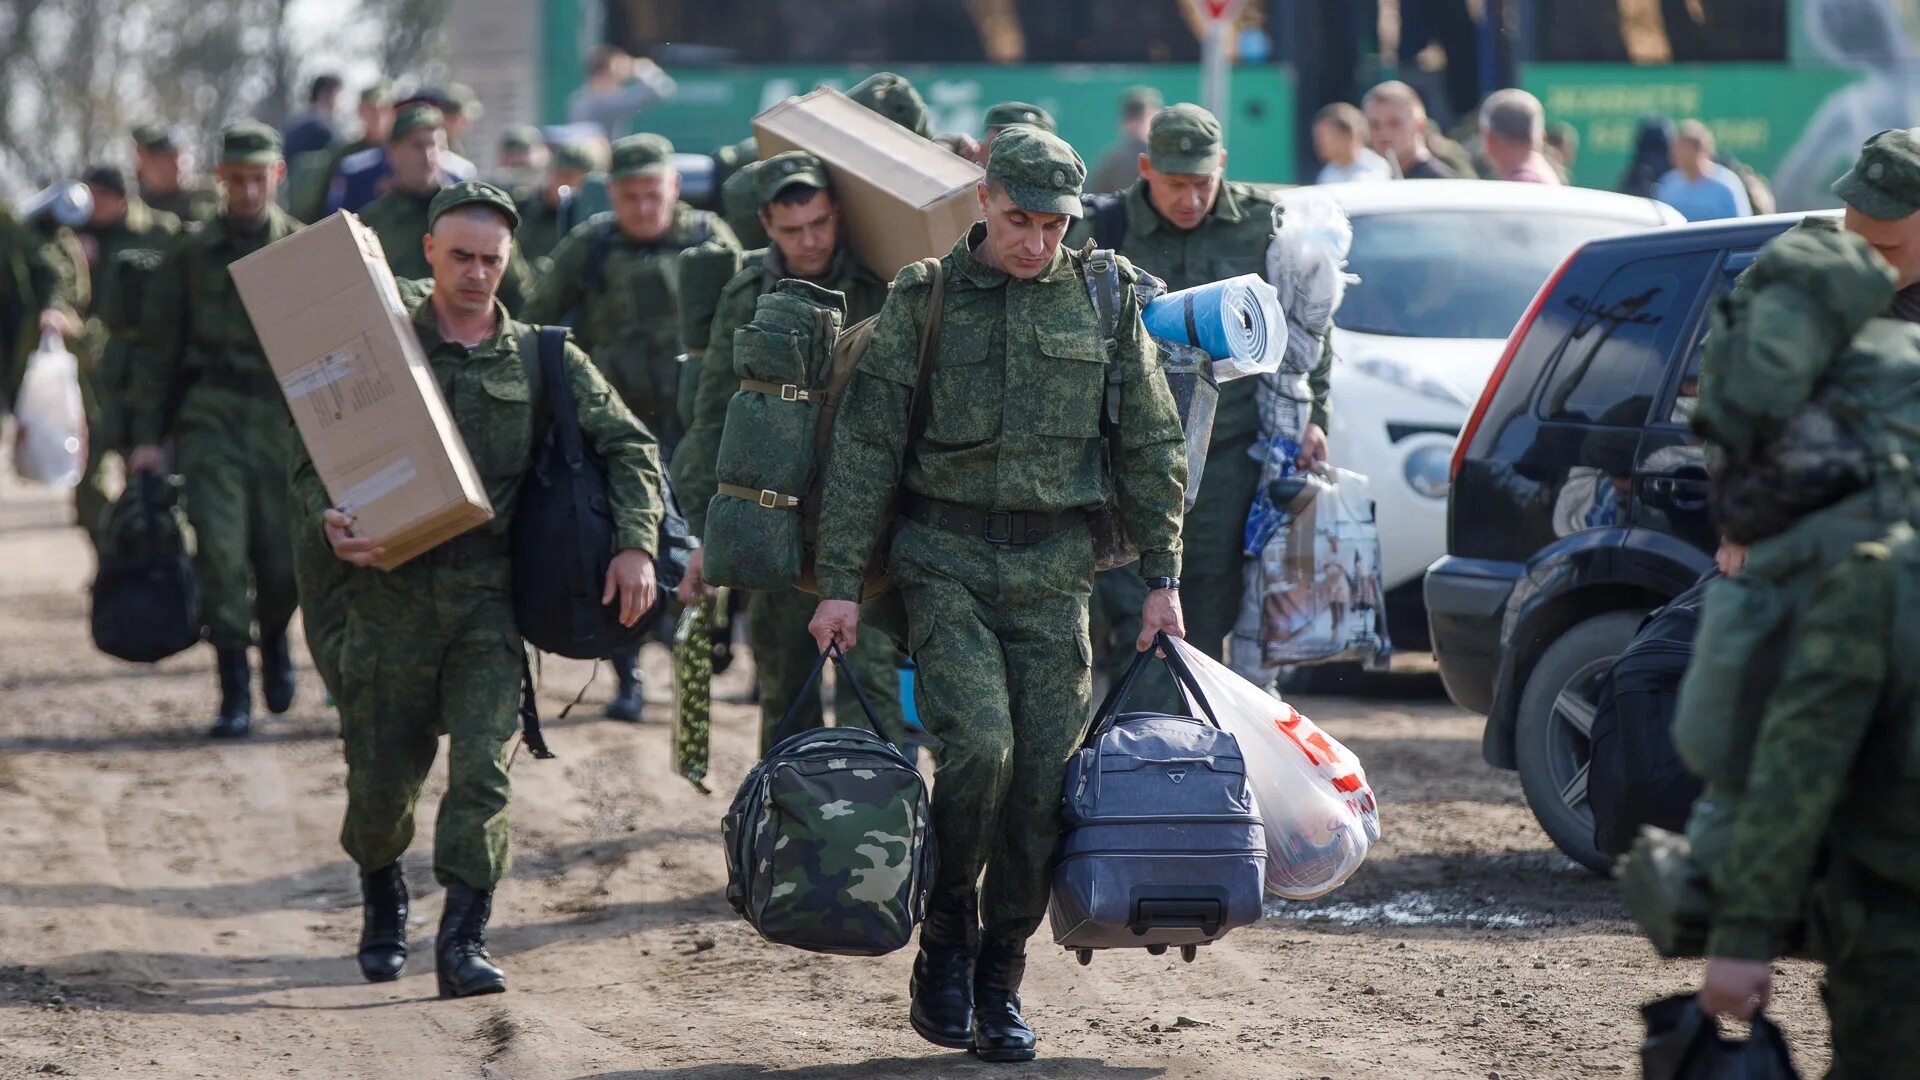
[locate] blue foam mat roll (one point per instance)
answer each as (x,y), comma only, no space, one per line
(1237,321)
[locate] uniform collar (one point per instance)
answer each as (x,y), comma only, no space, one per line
(986,276)
(1143,218)
(428,328)
(843,269)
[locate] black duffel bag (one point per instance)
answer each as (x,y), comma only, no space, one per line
(1636,777)
(564,535)
(146,596)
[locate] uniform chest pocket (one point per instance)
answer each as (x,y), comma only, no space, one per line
(1069,384)
(965,391)
(500,434)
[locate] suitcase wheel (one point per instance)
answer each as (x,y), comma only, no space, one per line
(1189,952)
(1086,957)
(1156,950)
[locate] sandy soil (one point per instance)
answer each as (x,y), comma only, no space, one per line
(171,907)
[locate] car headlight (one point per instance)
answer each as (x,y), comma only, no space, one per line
(1406,378)
(1427,469)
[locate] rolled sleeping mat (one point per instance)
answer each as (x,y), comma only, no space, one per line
(1238,322)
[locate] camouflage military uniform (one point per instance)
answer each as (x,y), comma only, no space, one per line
(627,323)
(999,631)
(431,645)
(783,652)
(1837,755)
(399,218)
(187,203)
(123,256)
(41,267)
(1231,241)
(230,423)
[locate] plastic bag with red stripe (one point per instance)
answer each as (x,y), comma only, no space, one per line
(1310,791)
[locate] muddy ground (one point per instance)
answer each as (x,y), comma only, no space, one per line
(170,907)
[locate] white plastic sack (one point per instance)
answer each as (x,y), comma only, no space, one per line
(1306,262)
(1310,791)
(50,446)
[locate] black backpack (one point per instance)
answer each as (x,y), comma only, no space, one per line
(146,597)
(563,533)
(1636,777)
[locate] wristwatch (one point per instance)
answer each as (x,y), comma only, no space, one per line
(1156,583)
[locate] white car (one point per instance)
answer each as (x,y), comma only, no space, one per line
(1446,268)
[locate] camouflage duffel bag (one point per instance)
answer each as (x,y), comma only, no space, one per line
(829,842)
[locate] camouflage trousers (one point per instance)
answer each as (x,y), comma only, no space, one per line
(233,454)
(1212,580)
(999,634)
(321,578)
(90,497)
(1868,933)
(429,650)
(784,654)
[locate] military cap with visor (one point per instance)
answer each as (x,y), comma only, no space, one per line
(1185,139)
(106,177)
(249,143)
(893,97)
(1884,183)
(378,94)
(415,117)
(645,154)
(782,171)
(522,137)
(473,193)
(1009,113)
(151,137)
(575,156)
(1037,170)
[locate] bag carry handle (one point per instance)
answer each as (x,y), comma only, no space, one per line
(807,689)
(1162,650)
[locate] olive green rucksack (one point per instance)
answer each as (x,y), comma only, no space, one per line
(794,360)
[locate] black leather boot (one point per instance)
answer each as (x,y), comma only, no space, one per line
(461,961)
(942,986)
(276,673)
(383,923)
(235,720)
(626,701)
(1000,1033)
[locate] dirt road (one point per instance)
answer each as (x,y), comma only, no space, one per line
(175,908)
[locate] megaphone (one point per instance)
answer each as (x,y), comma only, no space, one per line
(68,202)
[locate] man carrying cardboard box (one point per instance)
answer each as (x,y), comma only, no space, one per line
(202,379)
(430,646)
(615,281)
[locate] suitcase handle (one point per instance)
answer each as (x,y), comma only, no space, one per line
(1162,650)
(1205,911)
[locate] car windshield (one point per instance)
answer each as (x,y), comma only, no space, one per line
(1457,274)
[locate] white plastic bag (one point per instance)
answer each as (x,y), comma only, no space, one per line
(1310,791)
(50,446)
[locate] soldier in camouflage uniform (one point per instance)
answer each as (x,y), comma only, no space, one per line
(43,290)
(201,379)
(399,217)
(1008,113)
(164,183)
(1188,226)
(614,281)
(801,212)
(993,556)
(540,214)
(895,98)
(122,243)
(431,645)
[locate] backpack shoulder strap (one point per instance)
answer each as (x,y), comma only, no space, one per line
(929,344)
(595,273)
(561,409)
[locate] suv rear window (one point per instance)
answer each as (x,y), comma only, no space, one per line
(1613,362)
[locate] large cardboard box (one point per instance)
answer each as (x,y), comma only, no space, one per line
(902,198)
(363,396)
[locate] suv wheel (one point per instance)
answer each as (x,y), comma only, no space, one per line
(1553,731)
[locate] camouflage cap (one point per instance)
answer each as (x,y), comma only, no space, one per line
(521,137)
(893,97)
(1142,97)
(473,193)
(462,100)
(577,157)
(1038,170)
(249,143)
(1884,183)
(782,171)
(645,154)
(379,94)
(1184,139)
(1009,113)
(415,117)
(151,137)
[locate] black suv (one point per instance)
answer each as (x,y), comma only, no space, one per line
(1579,500)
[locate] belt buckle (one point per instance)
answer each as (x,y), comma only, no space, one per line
(1006,529)
(789,392)
(769,499)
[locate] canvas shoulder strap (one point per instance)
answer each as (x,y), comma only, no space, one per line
(929,344)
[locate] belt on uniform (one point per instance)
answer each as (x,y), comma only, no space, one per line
(469,549)
(1017,527)
(251,383)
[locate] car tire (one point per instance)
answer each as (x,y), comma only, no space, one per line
(1551,744)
